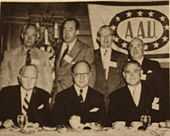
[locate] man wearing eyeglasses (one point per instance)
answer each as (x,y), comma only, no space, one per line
(79,100)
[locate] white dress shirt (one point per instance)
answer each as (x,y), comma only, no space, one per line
(23,94)
(140,61)
(64,46)
(106,58)
(84,93)
(136,93)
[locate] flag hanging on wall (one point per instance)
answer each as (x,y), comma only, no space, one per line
(148,22)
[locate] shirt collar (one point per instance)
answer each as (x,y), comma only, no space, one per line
(84,93)
(70,44)
(137,87)
(24,92)
(140,60)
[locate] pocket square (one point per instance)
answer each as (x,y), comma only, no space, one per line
(149,71)
(40,107)
(94,109)
(155,103)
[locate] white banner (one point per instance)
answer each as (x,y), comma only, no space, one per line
(150,23)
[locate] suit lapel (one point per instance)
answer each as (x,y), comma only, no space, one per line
(33,99)
(100,63)
(19,99)
(75,51)
(58,54)
(144,66)
(129,96)
(142,97)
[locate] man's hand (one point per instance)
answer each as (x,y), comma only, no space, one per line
(75,122)
(8,123)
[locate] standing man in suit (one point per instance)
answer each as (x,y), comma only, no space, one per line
(129,103)
(108,64)
(69,52)
(79,100)
(25,99)
(27,53)
(152,75)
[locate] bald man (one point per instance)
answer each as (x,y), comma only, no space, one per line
(152,75)
(79,99)
(25,98)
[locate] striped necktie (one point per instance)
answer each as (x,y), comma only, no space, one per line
(25,104)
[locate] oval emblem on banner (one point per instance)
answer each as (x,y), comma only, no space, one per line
(149,25)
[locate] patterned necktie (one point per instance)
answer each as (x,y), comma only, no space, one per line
(80,96)
(64,53)
(28,58)
(25,104)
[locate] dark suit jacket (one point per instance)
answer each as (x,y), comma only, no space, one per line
(155,79)
(123,108)
(68,104)
(150,65)
(80,51)
(115,79)
(11,104)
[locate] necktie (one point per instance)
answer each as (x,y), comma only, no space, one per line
(64,53)
(80,96)
(25,104)
(105,52)
(28,58)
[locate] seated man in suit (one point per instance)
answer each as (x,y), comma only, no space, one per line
(109,63)
(130,102)
(152,75)
(79,100)
(25,99)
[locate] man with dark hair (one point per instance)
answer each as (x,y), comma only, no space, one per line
(25,99)
(109,63)
(129,103)
(77,23)
(79,100)
(27,53)
(152,75)
(69,52)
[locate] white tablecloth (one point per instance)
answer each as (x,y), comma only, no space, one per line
(109,132)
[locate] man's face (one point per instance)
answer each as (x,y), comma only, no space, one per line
(105,38)
(136,50)
(30,36)
(69,31)
(81,75)
(28,78)
(132,74)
